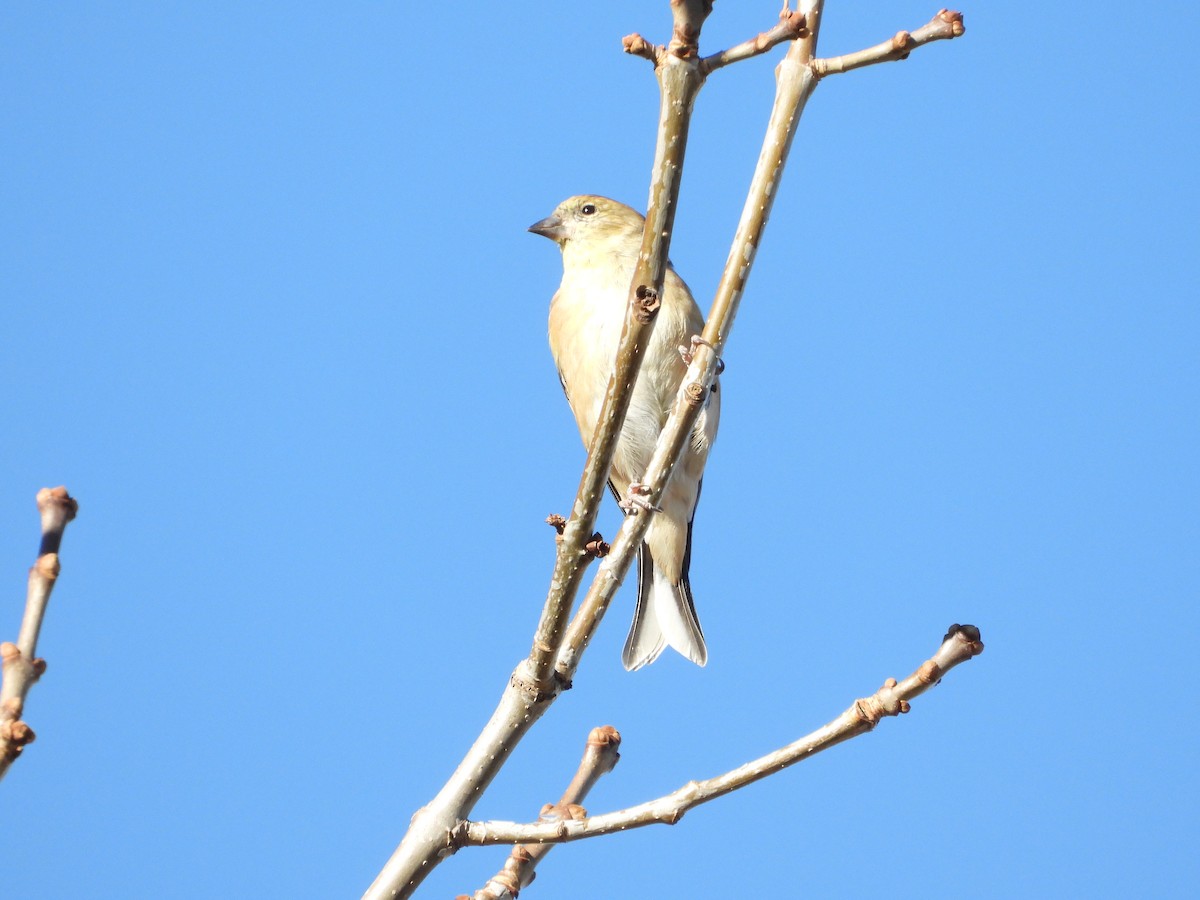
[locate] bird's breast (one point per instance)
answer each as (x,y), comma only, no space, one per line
(586,316)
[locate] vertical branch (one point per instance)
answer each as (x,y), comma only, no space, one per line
(795,82)
(556,651)
(680,77)
(796,78)
(533,686)
(19,666)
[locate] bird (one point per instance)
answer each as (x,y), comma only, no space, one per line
(600,240)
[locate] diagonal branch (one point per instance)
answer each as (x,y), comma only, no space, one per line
(599,757)
(945,26)
(795,83)
(556,651)
(20,666)
(789,27)
(680,79)
(535,684)
(796,79)
(961,643)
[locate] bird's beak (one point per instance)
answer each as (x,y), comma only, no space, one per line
(551,227)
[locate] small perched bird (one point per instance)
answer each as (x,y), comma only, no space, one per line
(600,240)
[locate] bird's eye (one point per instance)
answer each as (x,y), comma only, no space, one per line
(588,209)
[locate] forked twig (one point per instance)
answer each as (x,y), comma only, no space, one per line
(599,757)
(960,644)
(560,640)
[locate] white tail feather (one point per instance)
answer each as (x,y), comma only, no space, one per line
(664,617)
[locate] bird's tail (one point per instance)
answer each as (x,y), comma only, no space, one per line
(665,616)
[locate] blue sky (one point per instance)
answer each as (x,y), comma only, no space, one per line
(270,311)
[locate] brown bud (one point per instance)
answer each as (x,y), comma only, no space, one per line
(954,20)
(646,303)
(48,566)
(605,734)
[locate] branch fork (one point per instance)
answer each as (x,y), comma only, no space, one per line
(600,755)
(960,644)
(442,826)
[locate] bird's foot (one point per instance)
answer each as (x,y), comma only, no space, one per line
(689,353)
(637,499)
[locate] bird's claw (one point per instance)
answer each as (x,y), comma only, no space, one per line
(637,499)
(687,354)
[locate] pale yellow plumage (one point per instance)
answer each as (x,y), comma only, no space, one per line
(600,240)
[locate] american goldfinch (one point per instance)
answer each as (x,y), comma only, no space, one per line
(600,240)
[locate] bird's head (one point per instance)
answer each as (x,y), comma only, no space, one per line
(591,220)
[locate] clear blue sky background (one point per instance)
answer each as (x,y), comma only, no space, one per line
(271,313)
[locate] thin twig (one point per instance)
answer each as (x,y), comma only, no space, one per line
(945,26)
(789,27)
(960,644)
(636,45)
(19,664)
(599,757)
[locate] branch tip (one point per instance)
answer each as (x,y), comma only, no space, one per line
(954,19)
(603,736)
(636,45)
(944,26)
(791,25)
(57,499)
(961,643)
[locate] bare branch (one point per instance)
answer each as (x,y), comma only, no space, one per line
(19,666)
(795,83)
(680,79)
(945,26)
(637,45)
(960,644)
(535,684)
(789,27)
(438,828)
(599,757)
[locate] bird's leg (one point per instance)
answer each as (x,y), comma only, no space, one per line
(686,353)
(637,499)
